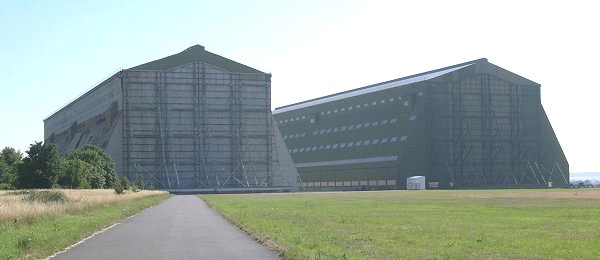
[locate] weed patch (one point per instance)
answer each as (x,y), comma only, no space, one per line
(25,242)
(46,196)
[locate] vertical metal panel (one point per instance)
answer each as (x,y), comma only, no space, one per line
(197,126)
(495,134)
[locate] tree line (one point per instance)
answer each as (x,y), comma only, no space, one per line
(42,167)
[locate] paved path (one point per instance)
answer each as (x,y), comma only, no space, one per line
(183,227)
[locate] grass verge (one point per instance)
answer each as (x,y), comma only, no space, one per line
(45,235)
(494,224)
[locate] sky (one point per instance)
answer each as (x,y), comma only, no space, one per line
(51,52)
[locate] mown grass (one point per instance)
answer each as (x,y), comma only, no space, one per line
(43,228)
(420,224)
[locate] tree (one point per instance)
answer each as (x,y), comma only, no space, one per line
(75,174)
(97,178)
(78,174)
(9,160)
(97,157)
(11,156)
(40,168)
(6,176)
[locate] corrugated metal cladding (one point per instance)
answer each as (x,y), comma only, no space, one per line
(182,123)
(471,125)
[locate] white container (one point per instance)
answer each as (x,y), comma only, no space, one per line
(415,183)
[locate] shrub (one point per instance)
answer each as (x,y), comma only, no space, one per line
(125,183)
(139,182)
(119,188)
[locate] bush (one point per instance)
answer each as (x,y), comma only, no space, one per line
(125,183)
(139,182)
(46,196)
(119,188)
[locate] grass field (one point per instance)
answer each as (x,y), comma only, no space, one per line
(35,229)
(491,224)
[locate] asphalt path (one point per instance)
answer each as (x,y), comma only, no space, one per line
(183,227)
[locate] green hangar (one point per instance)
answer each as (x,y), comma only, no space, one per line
(471,125)
(193,121)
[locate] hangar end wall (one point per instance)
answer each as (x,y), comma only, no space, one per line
(193,121)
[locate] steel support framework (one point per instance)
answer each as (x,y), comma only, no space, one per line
(484,130)
(198,127)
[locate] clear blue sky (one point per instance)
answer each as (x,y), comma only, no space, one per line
(53,51)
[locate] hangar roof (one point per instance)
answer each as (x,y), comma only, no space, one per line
(195,53)
(377,87)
